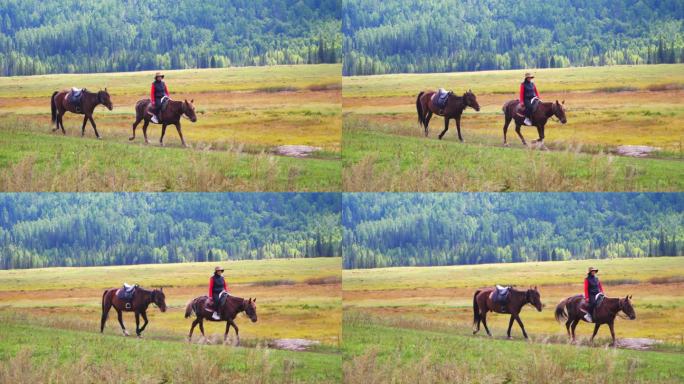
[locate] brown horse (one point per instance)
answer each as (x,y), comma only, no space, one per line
(453,110)
(141,300)
(539,118)
(170,116)
(59,105)
(228,312)
(570,310)
(483,303)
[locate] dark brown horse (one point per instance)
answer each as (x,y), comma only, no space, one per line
(59,105)
(228,312)
(141,300)
(170,116)
(539,118)
(483,303)
(570,310)
(453,110)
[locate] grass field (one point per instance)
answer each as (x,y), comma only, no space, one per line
(606,107)
(402,324)
(297,298)
(243,114)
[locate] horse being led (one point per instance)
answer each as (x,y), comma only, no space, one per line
(539,118)
(142,298)
(231,308)
(60,104)
(570,310)
(455,105)
(171,115)
(483,303)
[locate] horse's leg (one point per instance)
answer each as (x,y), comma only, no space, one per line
(541,136)
(85,120)
(225,335)
(92,121)
(180,133)
(507,122)
(446,127)
(596,328)
(427,121)
(192,328)
(567,326)
(458,128)
(517,318)
(147,122)
(60,121)
(119,314)
(237,332)
(612,333)
(517,130)
(510,325)
(135,125)
(137,323)
(144,316)
(201,325)
(105,312)
(161,139)
(574,325)
(484,322)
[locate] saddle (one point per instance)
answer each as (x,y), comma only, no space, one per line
(520,109)
(74,97)
(500,295)
(599,300)
(211,305)
(440,98)
(126,294)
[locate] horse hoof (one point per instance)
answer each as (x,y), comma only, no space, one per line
(125,333)
(506,145)
(131,138)
(139,336)
(509,337)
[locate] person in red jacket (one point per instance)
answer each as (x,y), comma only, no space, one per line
(157,91)
(528,91)
(217,284)
(592,287)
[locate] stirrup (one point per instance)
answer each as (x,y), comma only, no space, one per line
(128,306)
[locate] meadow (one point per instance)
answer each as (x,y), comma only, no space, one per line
(297,298)
(243,115)
(607,107)
(401,324)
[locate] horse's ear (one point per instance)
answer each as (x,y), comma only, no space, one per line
(186,101)
(105,89)
(563,102)
(161,289)
(192,100)
(255,299)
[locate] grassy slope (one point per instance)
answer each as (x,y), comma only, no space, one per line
(401,322)
(379,109)
(242,113)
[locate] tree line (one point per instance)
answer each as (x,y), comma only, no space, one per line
(398,36)
(47,230)
(72,36)
(384,230)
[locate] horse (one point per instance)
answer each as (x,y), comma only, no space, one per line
(569,309)
(231,308)
(453,110)
(142,298)
(59,105)
(539,118)
(482,303)
(170,116)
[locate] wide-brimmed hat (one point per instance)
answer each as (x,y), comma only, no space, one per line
(218,269)
(529,75)
(592,269)
(158,74)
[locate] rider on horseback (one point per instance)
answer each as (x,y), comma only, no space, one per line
(528,91)
(157,92)
(217,284)
(592,287)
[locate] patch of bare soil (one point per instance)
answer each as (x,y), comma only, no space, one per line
(293,344)
(296,150)
(635,150)
(640,344)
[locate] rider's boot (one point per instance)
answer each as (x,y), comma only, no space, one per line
(528,121)
(216,316)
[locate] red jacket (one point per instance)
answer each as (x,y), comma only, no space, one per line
(522,92)
(211,286)
(152,99)
(586,288)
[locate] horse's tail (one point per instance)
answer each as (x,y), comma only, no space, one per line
(104,297)
(476,308)
(561,314)
(419,109)
(189,308)
(53,106)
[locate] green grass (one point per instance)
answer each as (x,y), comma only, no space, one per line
(378,161)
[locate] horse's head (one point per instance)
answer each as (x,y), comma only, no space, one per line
(250,309)
(189,110)
(159,299)
(627,308)
(104,99)
(471,100)
(534,297)
(559,111)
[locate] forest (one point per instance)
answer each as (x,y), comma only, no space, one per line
(417,36)
(75,36)
(382,230)
(57,229)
